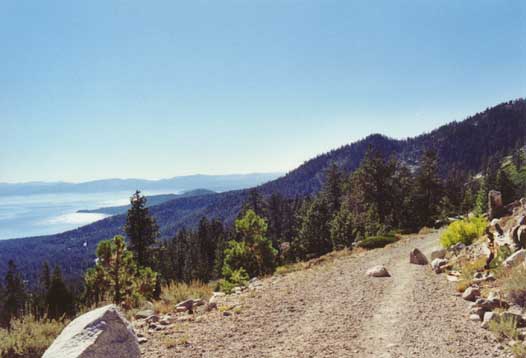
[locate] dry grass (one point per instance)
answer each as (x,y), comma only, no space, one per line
(425,231)
(304,265)
(28,337)
(515,286)
(504,328)
(174,293)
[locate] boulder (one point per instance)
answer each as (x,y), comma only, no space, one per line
(416,257)
(378,271)
(438,264)
(438,254)
(471,293)
(144,314)
(100,333)
(515,259)
(495,205)
(488,317)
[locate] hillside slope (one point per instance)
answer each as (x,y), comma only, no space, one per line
(335,310)
(468,145)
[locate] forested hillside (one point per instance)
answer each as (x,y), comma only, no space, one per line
(464,147)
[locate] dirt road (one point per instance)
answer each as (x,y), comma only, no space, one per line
(335,310)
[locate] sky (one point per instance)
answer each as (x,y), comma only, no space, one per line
(103,89)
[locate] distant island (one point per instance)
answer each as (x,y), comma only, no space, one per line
(152,200)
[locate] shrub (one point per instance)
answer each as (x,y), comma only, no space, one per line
(504,328)
(375,242)
(464,231)
(28,337)
(233,278)
(515,286)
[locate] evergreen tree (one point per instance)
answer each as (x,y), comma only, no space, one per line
(276,219)
(481,201)
(505,185)
(332,188)
(45,277)
(314,238)
(468,201)
(254,252)
(428,189)
(255,203)
(341,227)
(116,275)
(141,229)
(59,300)
(15,295)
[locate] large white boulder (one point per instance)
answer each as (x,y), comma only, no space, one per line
(100,333)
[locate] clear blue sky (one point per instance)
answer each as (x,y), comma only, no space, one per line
(97,89)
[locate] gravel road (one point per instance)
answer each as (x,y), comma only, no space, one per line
(335,310)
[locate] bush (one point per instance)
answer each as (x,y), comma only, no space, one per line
(28,337)
(375,242)
(233,279)
(515,286)
(504,328)
(464,231)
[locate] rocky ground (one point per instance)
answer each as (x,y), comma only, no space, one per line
(335,310)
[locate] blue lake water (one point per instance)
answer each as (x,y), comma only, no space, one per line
(44,214)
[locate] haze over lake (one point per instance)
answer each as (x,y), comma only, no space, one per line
(43,214)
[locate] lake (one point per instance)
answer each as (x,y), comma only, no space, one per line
(44,214)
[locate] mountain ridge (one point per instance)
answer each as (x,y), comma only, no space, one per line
(468,144)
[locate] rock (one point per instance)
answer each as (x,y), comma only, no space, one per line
(189,305)
(166,320)
(521,236)
(438,254)
(181,309)
(458,247)
(495,205)
(474,317)
(521,220)
(100,333)
(515,259)
(144,314)
(491,304)
(152,318)
(237,290)
(438,264)
(471,293)
(483,277)
(142,340)
(416,257)
(488,317)
(378,271)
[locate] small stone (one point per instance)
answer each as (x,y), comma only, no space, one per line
(144,314)
(438,264)
(471,293)
(488,317)
(378,271)
(474,317)
(142,340)
(416,257)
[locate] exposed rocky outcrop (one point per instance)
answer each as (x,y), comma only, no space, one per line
(100,333)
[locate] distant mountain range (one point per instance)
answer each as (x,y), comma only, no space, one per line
(469,144)
(151,200)
(216,183)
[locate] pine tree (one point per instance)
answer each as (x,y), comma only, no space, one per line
(117,276)
(59,299)
(255,203)
(332,188)
(341,227)
(254,252)
(15,295)
(314,238)
(141,229)
(505,185)
(428,189)
(481,201)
